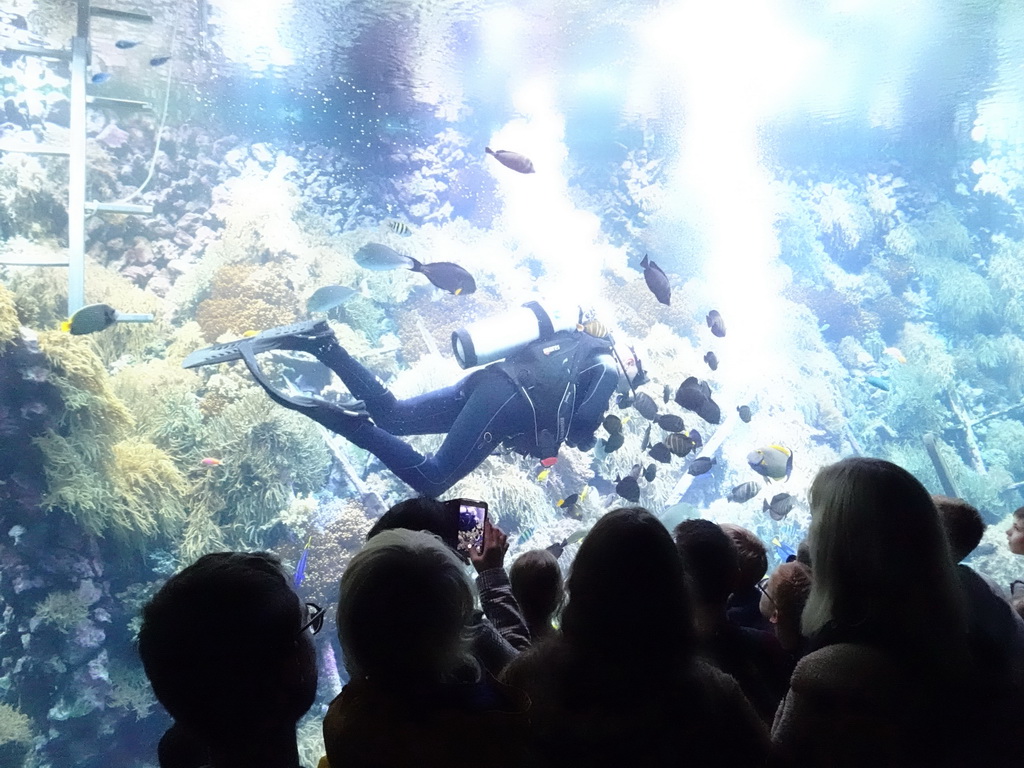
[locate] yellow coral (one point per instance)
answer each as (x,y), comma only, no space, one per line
(15,726)
(244,297)
(9,324)
(150,488)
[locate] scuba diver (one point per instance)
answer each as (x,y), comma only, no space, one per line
(549,381)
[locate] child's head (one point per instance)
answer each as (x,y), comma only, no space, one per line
(962,523)
(784,595)
(538,587)
(1015,534)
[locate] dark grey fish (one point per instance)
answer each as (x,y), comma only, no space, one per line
(744,412)
(513,160)
(660,452)
(712,360)
(624,400)
(446,276)
(90,319)
(716,323)
(700,465)
(670,422)
(695,396)
(646,405)
(330,296)
(380,258)
(645,443)
(696,439)
(666,394)
(744,492)
(612,423)
(628,488)
(679,444)
(650,473)
(157,61)
(780,506)
(613,442)
(657,281)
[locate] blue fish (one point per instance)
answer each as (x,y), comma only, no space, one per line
(879,382)
(785,552)
(156,61)
(101,77)
(124,45)
(300,569)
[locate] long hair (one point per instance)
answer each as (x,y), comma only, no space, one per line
(404,610)
(882,567)
(627,594)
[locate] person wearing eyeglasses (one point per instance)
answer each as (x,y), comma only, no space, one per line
(227,645)
(783,596)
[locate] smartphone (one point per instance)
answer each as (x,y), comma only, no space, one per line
(470,517)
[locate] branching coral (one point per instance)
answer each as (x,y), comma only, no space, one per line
(1006,269)
(130,689)
(962,296)
(150,489)
(15,726)
(33,198)
(9,324)
(63,610)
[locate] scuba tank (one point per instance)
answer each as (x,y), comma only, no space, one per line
(497,337)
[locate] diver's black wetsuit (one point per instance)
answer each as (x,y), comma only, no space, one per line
(510,402)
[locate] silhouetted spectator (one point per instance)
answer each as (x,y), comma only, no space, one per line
(500,631)
(416,695)
(537,584)
(744,602)
(783,596)
(889,679)
(228,648)
(753,657)
(803,553)
(620,685)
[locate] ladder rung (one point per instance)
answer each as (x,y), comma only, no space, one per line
(32,50)
(34,149)
(95,207)
(15,262)
(106,101)
(110,13)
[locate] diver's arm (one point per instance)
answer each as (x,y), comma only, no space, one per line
(602,376)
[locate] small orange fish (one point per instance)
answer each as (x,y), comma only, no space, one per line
(209,461)
(895,354)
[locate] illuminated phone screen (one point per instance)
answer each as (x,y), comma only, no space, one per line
(471,523)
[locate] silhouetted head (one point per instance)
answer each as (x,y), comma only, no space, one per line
(537,585)
(753,557)
(223,646)
(709,559)
(404,611)
(882,567)
(420,514)
(785,594)
(962,523)
(627,593)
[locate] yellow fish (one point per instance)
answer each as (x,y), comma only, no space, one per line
(543,475)
(249,334)
(895,354)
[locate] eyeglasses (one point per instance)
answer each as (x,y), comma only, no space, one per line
(315,622)
(1017,588)
(762,587)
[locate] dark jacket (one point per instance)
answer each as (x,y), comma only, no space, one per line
(499,631)
(756,661)
(744,610)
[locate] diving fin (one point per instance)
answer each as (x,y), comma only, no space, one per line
(265,341)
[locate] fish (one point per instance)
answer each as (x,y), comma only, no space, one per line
(650,473)
(328,297)
(744,492)
(569,502)
(513,160)
(612,423)
(716,323)
(250,334)
(670,422)
(679,444)
(628,488)
(300,569)
(695,396)
(645,443)
(543,475)
(657,281)
(446,276)
(879,382)
(524,536)
(157,61)
(556,549)
(666,393)
(100,77)
(773,462)
(660,452)
(646,405)
(576,536)
(90,319)
(593,328)
(701,465)
(895,354)
(399,227)
(785,552)
(380,258)
(712,360)
(613,442)
(696,439)
(780,506)
(124,45)
(209,461)
(744,412)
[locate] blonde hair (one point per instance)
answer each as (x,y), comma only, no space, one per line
(882,567)
(404,610)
